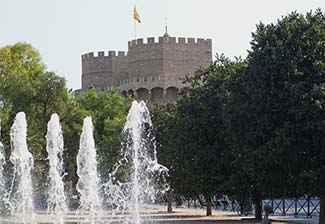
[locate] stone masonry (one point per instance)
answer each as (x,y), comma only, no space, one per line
(150,70)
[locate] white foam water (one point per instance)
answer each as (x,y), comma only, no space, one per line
(138,167)
(21,190)
(56,199)
(3,192)
(88,183)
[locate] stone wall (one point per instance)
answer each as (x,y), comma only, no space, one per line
(152,68)
(185,56)
(145,59)
(103,71)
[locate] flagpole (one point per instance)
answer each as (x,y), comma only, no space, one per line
(136,18)
(135,30)
(166,16)
(135,26)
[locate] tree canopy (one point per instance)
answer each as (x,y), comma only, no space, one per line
(26,85)
(255,128)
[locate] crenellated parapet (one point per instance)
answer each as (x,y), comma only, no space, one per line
(152,68)
(168,56)
(169,40)
(100,54)
(103,69)
(101,61)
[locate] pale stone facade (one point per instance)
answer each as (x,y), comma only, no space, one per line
(150,70)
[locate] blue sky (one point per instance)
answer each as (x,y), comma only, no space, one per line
(62,30)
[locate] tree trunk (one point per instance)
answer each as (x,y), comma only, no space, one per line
(322,210)
(179,201)
(209,204)
(170,200)
(258,208)
(200,200)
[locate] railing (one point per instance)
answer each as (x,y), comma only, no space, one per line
(302,207)
(297,207)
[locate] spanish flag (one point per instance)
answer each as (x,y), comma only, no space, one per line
(136,15)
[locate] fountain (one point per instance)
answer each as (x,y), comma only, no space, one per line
(132,185)
(56,198)
(21,191)
(3,192)
(88,183)
(134,180)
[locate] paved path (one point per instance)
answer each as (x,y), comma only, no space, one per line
(197,216)
(179,215)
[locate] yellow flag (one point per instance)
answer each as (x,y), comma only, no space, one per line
(136,15)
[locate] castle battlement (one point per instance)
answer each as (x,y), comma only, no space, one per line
(169,40)
(100,54)
(152,69)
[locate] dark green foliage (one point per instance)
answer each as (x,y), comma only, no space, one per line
(108,111)
(165,131)
(192,135)
(254,129)
(276,111)
(275,115)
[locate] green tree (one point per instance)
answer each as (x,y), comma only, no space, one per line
(72,120)
(164,121)
(276,110)
(20,65)
(108,111)
(193,134)
(26,86)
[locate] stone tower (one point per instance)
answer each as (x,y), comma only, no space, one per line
(150,70)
